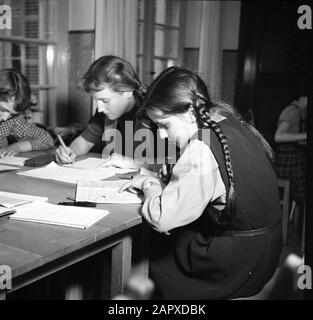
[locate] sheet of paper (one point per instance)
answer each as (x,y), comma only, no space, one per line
(4,167)
(10,199)
(69,174)
(68,216)
(13,161)
(105,192)
(5,211)
(89,163)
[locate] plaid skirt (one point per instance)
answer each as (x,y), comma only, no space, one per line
(290,163)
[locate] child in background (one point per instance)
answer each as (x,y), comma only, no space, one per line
(218,218)
(15,97)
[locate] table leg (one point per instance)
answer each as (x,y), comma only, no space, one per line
(121,265)
(2,295)
(141,268)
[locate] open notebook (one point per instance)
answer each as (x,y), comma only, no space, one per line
(67,216)
(105,192)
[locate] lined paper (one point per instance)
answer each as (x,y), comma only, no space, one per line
(105,192)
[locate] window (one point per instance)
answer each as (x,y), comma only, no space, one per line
(160,36)
(30,48)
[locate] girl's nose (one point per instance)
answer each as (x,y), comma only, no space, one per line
(101,107)
(163,133)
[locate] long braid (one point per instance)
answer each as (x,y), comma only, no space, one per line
(205,121)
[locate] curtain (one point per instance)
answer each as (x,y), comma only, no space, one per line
(210,53)
(116,29)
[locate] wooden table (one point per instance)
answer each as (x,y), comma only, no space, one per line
(35,250)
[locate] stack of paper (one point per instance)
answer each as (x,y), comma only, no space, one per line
(105,192)
(5,211)
(4,167)
(68,216)
(9,199)
(11,163)
(71,174)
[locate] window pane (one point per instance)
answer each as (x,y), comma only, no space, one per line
(34,19)
(160,12)
(47,23)
(158,67)
(173,11)
(159,42)
(171,43)
(141,8)
(10,55)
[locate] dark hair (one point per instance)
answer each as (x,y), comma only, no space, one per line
(176,90)
(115,72)
(15,84)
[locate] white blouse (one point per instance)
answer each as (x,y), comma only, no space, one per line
(195,181)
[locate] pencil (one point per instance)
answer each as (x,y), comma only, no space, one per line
(64,146)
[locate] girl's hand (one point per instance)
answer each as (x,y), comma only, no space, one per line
(65,155)
(138,182)
(9,151)
(119,161)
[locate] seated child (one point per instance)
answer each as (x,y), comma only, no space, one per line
(15,96)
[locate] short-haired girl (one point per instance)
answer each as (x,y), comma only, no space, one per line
(15,98)
(117,90)
(218,218)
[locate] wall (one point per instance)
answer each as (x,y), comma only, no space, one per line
(230,22)
(81,15)
(81,37)
(59,116)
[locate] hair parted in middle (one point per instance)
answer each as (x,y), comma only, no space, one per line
(176,91)
(116,73)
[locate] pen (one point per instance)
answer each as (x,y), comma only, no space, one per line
(63,145)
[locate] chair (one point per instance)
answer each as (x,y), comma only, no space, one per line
(283,284)
(284,193)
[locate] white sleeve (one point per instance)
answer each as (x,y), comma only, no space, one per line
(195,181)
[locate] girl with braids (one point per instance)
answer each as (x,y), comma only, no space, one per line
(117,90)
(218,218)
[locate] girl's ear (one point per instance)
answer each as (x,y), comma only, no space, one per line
(128,94)
(191,115)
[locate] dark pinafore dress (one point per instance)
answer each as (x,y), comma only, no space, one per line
(204,261)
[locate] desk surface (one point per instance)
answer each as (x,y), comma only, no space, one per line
(25,246)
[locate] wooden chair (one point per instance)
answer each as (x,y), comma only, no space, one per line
(283,284)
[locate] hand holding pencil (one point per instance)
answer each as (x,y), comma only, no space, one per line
(64,154)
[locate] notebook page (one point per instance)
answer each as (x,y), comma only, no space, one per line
(105,192)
